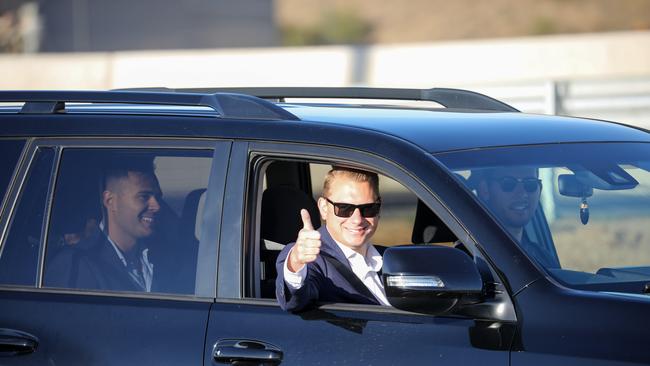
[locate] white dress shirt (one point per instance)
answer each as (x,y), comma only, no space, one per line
(365,268)
(146,269)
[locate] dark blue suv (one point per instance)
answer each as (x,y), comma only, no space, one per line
(510,239)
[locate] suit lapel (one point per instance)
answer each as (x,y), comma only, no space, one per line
(330,247)
(114,265)
(333,255)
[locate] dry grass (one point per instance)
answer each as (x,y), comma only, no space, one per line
(393,21)
(608,243)
(611,243)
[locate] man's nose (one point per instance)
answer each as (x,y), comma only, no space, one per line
(154,204)
(520,190)
(356,216)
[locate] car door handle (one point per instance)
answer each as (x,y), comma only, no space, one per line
(237,350)
(15,342)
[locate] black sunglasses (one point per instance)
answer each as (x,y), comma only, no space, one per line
(508,184)
(347,209)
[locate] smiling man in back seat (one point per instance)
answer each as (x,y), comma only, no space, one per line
(114,257)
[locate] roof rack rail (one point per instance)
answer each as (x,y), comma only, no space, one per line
(449,98)
(225,104)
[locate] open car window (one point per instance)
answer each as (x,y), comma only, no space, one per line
(284,187)
(583,209)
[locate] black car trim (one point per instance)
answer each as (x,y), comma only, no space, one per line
(4,200)
(82,292)
(447,97)
(47,214)
(13,193)
(230,258)
(322,306)
(359,308)
(225,104)
(211,237)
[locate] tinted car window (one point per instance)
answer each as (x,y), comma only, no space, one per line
(10,152)
(583,207)
(20,252)
(126,220)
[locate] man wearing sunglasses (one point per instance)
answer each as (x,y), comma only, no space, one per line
(512,194)
(336,263)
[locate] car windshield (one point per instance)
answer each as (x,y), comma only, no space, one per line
(580,210)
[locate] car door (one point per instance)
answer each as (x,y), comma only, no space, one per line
(244,327)
(59,325)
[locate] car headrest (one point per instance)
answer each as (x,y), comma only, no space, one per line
(192,214)
(280,215)
(428,228)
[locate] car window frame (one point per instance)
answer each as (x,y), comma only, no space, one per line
(15,187)
(245,153)
(22,175)
(209,240)
(4,197)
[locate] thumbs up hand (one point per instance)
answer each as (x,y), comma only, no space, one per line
(307,247)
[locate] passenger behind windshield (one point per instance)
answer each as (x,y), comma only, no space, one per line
(512,194)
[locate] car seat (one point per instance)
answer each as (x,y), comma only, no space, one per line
(280,223)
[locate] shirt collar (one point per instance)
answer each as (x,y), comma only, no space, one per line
(147,267)
(144,256)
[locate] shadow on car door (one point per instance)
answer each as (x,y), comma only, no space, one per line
(100,330)
(346,334)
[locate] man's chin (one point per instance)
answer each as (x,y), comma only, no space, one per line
(517,222)
(355,242)
(146,232)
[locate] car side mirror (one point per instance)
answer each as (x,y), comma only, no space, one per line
(430,279)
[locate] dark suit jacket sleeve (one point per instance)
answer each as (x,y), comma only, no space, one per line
(71,269)
(91,264)
(295,300)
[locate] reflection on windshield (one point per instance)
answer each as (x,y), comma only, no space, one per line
(579,210)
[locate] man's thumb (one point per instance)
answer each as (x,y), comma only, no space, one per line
(306,220)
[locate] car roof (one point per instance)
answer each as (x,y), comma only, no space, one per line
(438,130)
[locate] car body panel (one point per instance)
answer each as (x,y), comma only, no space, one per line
(434,131)
(580,327)
(84,329)
(339,336)
(439,130)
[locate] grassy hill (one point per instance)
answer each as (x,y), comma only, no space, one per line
(396,21)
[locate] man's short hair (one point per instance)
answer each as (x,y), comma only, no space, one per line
(120,166)
(356,175)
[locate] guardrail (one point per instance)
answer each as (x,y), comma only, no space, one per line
(624,100)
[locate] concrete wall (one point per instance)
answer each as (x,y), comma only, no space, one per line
(523,71)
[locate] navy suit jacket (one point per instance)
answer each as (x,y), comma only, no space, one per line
(90,264)
(323,283)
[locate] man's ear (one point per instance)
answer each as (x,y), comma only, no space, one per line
(108,199)
(322,208)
